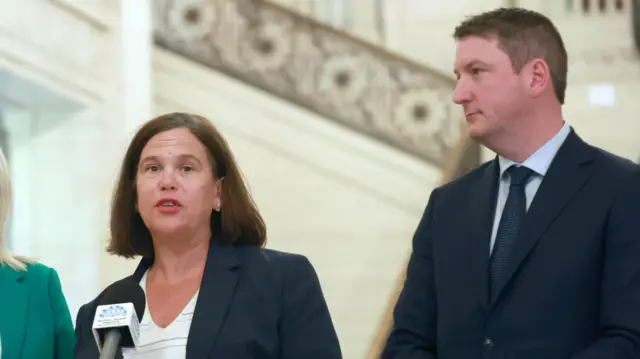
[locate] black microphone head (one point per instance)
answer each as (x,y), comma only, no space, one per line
(125,291)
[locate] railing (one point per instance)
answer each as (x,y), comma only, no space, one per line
(337,13)
(360,85)
(587,8)
(465,157)
(597,6)
(348,15)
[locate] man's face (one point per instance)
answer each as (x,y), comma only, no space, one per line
(490,92)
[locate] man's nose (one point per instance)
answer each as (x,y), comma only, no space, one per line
(461,93)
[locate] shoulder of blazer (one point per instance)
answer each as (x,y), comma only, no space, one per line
(614,162)
(486,169)
(9,274)
(259,256)
(39,272)
(39,275)
(36,276)
(36,273)
(270,262)
(46,281)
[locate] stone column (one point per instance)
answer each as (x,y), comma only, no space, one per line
(136,37)
(131,104)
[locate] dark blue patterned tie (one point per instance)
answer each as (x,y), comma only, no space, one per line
(512,216)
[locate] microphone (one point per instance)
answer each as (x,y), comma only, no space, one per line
(116,323)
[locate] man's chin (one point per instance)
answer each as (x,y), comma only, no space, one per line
(476,133)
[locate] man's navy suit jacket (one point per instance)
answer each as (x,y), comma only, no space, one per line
(572,285)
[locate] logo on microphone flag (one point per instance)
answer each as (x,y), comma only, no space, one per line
(114,316)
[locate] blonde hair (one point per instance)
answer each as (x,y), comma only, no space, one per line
(6,257)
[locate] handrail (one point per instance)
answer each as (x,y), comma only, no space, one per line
(344,78)
(357,39)
(464,158)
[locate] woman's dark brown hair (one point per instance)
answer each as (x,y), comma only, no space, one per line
(238,222)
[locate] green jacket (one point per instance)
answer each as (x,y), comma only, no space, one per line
(34,318)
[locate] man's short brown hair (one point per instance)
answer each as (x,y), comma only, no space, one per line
(523,35)
(237,223)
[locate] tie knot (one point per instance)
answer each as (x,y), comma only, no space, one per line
(519,175)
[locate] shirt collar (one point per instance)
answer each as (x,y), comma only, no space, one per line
(540,161)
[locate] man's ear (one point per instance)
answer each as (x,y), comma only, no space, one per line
(537,77)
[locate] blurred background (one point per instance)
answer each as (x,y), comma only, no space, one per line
(338,111)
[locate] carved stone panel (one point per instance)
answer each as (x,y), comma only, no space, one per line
(358,84)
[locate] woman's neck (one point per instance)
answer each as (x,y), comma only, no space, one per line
(177,259)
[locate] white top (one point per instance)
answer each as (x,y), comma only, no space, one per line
(162,343)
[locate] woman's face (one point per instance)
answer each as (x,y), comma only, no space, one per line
(176,191)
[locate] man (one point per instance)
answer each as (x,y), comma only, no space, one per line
(535,254)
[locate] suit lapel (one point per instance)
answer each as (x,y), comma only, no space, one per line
(14,308)
(216,292)
(569,171)
(480,212)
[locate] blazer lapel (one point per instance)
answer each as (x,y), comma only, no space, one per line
(141,269)
(14,304)
(480,213)
(569,171)
(216,293)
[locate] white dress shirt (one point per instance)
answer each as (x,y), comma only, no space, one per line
(539,162)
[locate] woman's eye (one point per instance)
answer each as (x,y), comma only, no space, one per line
(187,168)
(153,168)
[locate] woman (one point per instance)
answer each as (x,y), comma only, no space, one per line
(34,317)
(212,290)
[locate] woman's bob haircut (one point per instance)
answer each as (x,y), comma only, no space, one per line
(237,223)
